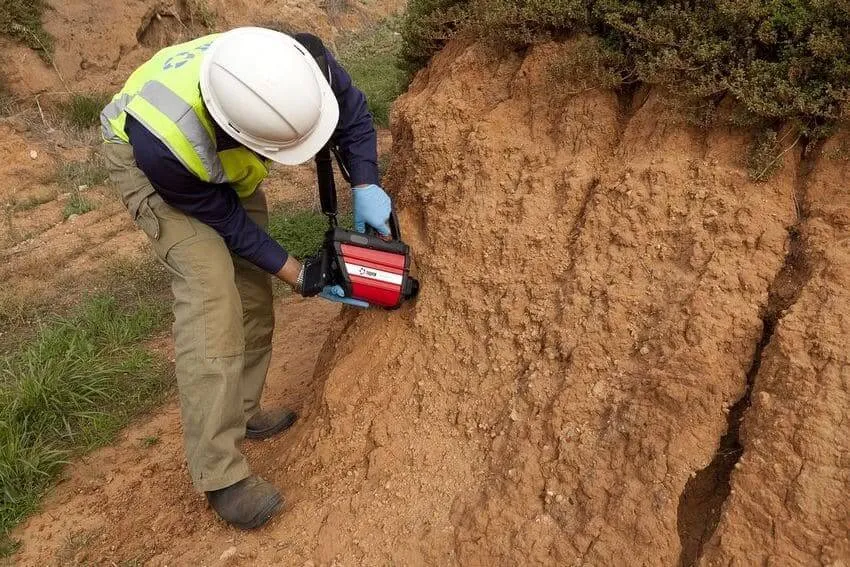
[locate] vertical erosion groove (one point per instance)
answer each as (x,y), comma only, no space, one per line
(701,503)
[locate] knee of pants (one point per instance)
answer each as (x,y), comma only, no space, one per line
(207,303)
(259,327)
(255,290)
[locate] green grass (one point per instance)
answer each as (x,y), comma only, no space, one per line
(150,441)
(77,205)
(21,20)
(129,281)
(8,101)
(201,13)
(82,111)
(69,389)
(384,162)
(300,231)
(371,58)
(73,174)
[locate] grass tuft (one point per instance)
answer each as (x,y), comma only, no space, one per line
(72,175)
(371,58)
(8,101)
(336,8)
(68,390)
(75,176)
(82,111)
(21,20)
(150,441)
(77,205)
(200,12)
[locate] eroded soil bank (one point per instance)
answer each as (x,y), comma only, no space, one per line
(601,286)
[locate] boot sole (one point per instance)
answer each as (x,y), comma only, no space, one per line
(263,516)
(285,423)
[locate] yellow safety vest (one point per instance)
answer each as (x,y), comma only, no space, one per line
(164,94)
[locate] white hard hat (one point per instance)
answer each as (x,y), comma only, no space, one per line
(267,92)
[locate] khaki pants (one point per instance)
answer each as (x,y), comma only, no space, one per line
(223,323)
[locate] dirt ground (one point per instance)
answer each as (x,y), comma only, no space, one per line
(132,500)
(625,352)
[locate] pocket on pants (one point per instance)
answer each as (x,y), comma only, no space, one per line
(145,219)
(165,226)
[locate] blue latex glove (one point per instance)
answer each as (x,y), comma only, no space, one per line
(372,206)
(336,293)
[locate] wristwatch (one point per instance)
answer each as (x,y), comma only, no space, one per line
(299,281)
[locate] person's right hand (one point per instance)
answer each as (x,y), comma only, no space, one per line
(373,207)
(289,272)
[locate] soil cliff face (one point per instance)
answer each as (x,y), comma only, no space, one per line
(600,285)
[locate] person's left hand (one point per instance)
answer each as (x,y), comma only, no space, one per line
(336,293)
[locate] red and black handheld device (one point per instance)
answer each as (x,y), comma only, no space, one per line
(366,266)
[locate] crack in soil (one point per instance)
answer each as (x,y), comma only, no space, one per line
(701,502)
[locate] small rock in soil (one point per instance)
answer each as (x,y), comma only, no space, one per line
(228,554)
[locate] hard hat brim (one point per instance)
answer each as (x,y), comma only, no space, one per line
(297,153)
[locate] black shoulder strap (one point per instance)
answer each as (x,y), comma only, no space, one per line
(324,165)
(317,49)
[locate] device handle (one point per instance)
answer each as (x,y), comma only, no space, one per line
(395,227)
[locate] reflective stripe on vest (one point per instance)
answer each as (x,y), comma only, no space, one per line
(164,96)
(183,116)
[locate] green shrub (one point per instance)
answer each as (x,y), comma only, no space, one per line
(21,20)
(787,60)
(371,57)
(82,111)
(426,26)
(593,65)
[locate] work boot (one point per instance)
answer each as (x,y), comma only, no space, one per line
(264,424)
(248,504)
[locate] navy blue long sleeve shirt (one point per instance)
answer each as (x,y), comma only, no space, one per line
(218,205)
